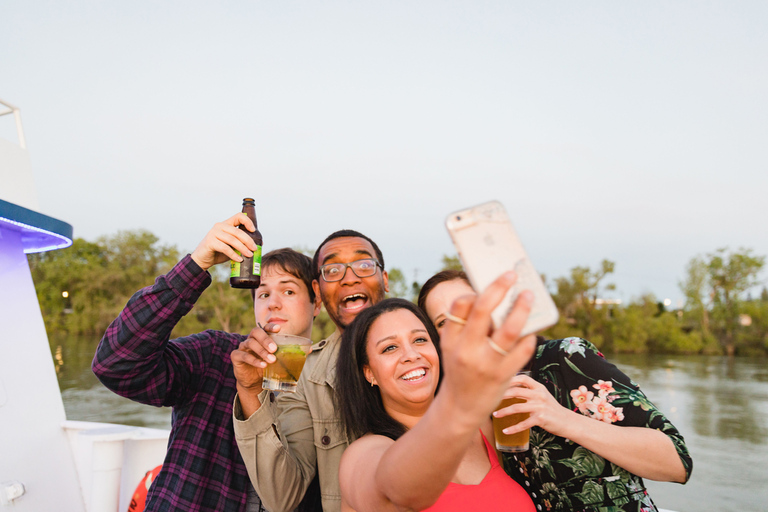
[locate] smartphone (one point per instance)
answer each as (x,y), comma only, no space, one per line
(488,246)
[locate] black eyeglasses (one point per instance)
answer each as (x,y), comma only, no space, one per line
(333,272)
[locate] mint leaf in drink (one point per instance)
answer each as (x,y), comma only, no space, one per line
(292,349)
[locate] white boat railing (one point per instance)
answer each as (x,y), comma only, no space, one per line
(112,459)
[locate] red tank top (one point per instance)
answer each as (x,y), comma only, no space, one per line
(497,492)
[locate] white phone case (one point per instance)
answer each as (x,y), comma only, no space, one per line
(488,246)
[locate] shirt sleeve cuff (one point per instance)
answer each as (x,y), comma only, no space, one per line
(188,280)
(259,422)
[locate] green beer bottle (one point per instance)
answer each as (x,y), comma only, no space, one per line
(247,274)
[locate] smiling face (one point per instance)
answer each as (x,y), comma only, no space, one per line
(441,297)
(283,299)
(403,362)
(346,298)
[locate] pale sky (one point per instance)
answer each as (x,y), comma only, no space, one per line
(629,131)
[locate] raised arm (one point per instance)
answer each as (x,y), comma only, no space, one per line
(411,473)
(135,357)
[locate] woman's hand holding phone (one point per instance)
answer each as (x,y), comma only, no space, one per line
(479,366)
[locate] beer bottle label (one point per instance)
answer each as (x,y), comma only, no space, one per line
(257,261)
(234,266)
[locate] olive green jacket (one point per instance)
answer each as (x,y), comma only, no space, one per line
(290,437)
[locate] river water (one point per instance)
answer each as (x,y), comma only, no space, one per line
(719,404)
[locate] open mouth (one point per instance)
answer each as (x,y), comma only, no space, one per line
(414,375)
(354,302)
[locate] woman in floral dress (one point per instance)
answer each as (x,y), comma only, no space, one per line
(594,434)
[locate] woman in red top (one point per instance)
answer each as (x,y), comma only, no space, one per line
(415,449)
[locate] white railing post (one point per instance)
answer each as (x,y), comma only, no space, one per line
(17,115)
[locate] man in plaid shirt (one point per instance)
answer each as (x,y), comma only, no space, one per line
(136,358)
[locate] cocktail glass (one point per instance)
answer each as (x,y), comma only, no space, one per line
(291,354)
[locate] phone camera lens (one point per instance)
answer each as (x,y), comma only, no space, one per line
(458,217)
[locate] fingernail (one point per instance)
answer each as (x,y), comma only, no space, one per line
(495,414)
(528,296)
(272,347)
(510,276)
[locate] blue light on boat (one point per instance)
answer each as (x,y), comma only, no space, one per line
(39,233)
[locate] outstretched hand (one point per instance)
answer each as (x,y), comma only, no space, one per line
(221,242)
(479,366)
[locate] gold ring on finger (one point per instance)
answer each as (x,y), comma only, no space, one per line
(454,318)
(497,348)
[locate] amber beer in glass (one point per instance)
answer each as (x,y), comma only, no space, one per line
(518,442)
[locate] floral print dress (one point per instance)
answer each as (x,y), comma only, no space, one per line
(562,475)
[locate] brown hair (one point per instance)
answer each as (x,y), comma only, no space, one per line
(291,262)
(440,277)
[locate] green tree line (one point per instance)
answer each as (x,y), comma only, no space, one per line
(81,289)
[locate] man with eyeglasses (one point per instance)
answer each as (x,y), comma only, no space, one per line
(286,440)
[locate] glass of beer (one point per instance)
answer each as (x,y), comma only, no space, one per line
(516,442)
(291,353)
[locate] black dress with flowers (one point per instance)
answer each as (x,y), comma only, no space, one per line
(562,475)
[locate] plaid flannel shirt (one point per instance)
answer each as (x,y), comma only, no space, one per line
(203,469)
